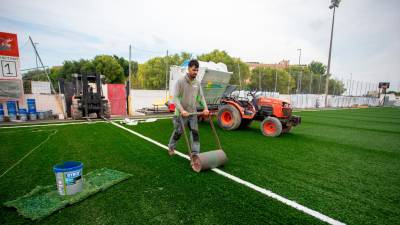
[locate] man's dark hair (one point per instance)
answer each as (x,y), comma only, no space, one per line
(194,63)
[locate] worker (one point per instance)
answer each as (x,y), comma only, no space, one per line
(187,93)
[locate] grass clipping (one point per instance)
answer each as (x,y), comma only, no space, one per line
(43,201)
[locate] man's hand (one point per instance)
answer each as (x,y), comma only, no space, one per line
(206,112)
(184,113)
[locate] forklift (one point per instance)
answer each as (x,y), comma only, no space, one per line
(89,101)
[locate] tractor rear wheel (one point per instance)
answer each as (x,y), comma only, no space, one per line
(229,117)
(271,127)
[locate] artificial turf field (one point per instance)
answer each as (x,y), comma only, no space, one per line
(342,163)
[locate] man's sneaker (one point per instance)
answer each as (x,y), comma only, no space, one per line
(171,151)
(195,162)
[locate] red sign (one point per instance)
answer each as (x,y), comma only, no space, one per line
(117,98)
(8,44)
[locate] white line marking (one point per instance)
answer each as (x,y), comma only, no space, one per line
(27,154)
(264,191)
(51,124)
(72,123)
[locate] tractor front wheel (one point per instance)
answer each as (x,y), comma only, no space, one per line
(271,127)
(229,117)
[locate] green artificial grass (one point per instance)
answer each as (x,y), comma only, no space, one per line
(342,163)
(43,201)
(162,190)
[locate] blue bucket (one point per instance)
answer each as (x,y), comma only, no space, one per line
(32,116)
(12,110)
(41,115)
(31,105)
(69,178)
(22,114)
(1,112)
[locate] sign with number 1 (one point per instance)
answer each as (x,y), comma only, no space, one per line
(10,75)
(9,56)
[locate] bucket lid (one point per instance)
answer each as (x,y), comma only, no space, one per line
(67,166)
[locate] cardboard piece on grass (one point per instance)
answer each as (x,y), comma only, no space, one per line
(43,201)
(134,122)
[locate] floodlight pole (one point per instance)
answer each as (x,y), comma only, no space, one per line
(334,5)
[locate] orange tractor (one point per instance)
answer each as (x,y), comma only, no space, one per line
(275,114)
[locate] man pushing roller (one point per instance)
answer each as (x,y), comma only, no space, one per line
(187,94)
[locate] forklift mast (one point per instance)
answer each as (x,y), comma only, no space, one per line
(88,100)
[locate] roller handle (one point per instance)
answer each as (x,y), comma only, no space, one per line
(185,135)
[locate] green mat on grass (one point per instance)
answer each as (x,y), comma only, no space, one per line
(43,201)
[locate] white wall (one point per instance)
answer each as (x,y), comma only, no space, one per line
(46,102)
(146,98)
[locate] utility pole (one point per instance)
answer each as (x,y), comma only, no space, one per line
(37,65)
(130,70)
(259,78)
(129,83)
(299,77)
(166,78)
(311,80)
(334,5)
(47,75)
(276,80)
(240,79)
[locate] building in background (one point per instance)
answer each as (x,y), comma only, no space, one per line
(283,64)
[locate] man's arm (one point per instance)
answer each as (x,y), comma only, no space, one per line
(203,101)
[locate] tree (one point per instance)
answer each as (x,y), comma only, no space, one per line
(336,87)
(151,74)
(108,66)
(125,65)
(185,56)
(233,65)
(317,67)
(267,78)
(87,67)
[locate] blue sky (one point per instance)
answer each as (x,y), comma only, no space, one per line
(366,39)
